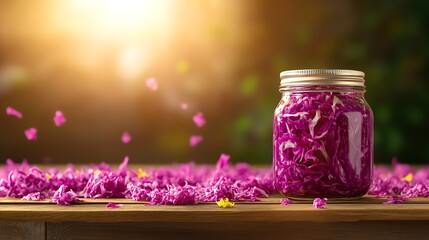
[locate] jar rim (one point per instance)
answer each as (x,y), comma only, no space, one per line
(322,77)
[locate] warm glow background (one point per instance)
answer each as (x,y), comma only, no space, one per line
(91,59)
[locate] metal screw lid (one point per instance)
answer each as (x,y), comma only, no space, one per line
(321,77)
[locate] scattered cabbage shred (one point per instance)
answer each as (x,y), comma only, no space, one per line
(320,202)
(175,184)
(323,145)
(285,201)
(113,205)
(181,184)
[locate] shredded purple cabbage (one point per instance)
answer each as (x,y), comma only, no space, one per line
(322,145)
(64,197)
(285,201)
(113,205)
(36,196)
(319,202)
(395,199)
(394,183)
(182,184)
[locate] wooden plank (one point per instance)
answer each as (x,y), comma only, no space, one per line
(241,230)
(212,213)
(22,230)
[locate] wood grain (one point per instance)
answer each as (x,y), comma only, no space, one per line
(22,230)
(241,230)
(364,218)
(212,213)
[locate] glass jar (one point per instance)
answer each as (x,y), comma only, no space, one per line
(323,135)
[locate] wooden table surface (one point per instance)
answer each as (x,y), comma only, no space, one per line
(366,208)
(365,218)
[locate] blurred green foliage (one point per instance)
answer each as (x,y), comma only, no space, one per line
(387,40)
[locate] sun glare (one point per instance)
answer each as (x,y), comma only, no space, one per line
(116,17)
(133,14)
(132,62)
(128,30)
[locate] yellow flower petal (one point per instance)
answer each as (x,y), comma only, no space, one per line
(224,203)
(49,176)
(408,178)
(142,174)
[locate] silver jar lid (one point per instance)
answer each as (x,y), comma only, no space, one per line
(321,77)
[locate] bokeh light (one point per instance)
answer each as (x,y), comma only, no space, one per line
(92,60)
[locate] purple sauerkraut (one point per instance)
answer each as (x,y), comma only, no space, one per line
(323,145)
